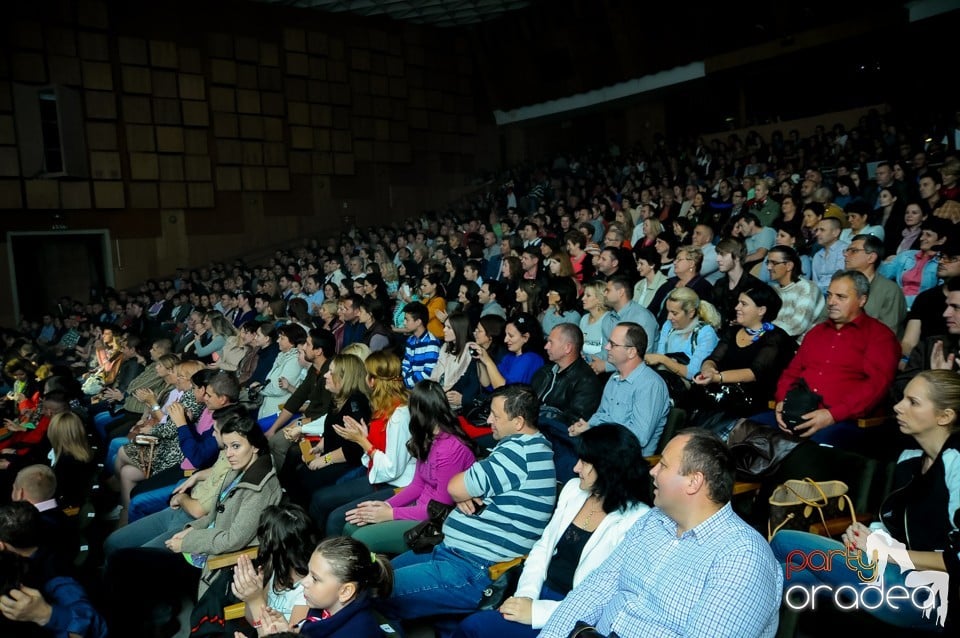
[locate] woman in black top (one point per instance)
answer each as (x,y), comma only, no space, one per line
(334,457)
(741,374)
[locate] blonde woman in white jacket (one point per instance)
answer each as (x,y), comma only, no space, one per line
(284,375)
(592,516)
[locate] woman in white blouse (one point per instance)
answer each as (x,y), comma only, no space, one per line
(593,514)
(284,376)
(386,459)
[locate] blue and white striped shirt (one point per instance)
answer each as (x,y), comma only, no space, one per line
(420,357)
(518,484)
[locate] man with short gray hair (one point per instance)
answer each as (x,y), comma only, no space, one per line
(849,360)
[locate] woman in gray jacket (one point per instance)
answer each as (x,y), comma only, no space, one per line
(248,488)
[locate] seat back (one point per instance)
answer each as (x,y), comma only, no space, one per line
(676,419)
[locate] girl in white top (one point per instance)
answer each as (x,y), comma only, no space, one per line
(285,537)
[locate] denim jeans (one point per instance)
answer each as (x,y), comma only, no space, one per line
(152,501)
(148,532)
(795,551)
(492,623)
(564,447)
(844,435)
(442,582)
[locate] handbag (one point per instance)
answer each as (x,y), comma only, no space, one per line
(800,400)
(478,411)
(429,533)
(677,387)
(207,617)
(732,398)
(757,449)
(800,504)
(583,630)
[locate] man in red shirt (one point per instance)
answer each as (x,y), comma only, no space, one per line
(849,360)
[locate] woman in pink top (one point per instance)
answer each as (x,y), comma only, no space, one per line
(441,449)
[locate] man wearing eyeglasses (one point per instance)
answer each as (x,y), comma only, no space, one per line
(886,301)
(635,396)
(803,304)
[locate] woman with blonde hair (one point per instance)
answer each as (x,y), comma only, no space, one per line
(391,277)
(924,482)
(652,228)
(385,456)
(71,458)
(357,349)
(688,336)
(333,457)
(591,324)
(216,326)
(625,221)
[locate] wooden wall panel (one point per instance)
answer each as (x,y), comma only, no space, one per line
(292,109)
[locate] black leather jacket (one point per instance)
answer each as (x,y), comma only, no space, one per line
(575,391)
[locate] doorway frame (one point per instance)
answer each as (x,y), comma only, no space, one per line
(11,234)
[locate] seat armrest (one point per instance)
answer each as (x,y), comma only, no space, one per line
(497,570)
(219,561)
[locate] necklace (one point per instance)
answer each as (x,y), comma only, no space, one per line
(589,518)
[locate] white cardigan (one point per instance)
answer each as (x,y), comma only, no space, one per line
(286,365)
(394,465)
(604,539)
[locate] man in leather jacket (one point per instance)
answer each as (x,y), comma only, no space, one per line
(568,391)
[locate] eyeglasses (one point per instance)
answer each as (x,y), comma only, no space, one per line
(851,251)
(620,345)
(776,263)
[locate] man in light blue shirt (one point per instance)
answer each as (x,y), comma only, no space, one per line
(619,295)
(758,238)
(635,396)
(689,567)
(830,258)
(311,287)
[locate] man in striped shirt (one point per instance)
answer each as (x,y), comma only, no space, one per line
(503,504)
(423,349)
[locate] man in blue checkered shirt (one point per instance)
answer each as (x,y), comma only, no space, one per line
(690,567)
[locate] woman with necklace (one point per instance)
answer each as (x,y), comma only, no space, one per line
(742,372)
(593,513)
